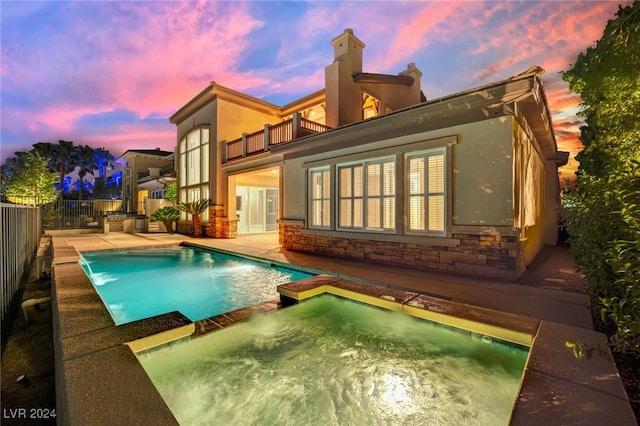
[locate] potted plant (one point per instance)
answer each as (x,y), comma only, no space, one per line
(167,215)
(195,209)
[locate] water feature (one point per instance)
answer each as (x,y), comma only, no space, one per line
(334,361)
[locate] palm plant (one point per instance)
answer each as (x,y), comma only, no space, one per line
(61,157)
(195,209)
(104,161)
(87,164)
(167,215)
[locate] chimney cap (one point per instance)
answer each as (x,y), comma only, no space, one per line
(348,35)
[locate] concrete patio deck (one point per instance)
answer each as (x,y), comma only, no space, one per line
(553,305)
(93,363)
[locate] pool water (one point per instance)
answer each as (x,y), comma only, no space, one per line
(141,283)
(331,361)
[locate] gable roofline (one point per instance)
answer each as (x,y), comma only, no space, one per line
(304,102)
(447,110)
(196,100)
(214,90)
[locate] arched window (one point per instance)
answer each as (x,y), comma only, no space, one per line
(193,176)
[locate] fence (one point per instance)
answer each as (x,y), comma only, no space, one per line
(19,241)
(77,214)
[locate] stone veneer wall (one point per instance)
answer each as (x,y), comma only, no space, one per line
(494,256)
(218,226)
(184,227)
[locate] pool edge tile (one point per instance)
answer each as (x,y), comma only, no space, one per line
(163,337)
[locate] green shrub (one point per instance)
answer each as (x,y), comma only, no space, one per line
(604,224)
(167,215)
(171,192)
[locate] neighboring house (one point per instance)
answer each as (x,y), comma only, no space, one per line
(144,175)
(368,169)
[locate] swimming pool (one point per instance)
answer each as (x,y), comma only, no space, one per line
(334,361)
(143,282)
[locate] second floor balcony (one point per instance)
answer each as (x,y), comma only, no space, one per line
(271,135)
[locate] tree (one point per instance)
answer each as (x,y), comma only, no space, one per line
(167,215)
(86,163)
(60,158)
(195,209)
(31,183)
(104,161)
(604,224)
(606,77)
(171,192)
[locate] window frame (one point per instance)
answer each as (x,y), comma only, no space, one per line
(187,189)
(420,143)
(311,199)
(364,196)
(426,193)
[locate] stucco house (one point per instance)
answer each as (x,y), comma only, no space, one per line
(143,173)
(367,168)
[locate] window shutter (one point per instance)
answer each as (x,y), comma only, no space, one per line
(426,203)
(436,192)
(319,193)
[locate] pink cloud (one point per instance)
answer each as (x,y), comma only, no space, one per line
(176,52)
(551,35)
(431,22)
(150,58)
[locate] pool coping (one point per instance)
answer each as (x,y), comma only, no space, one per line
(100,381)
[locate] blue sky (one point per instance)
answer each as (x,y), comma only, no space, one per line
(110,73)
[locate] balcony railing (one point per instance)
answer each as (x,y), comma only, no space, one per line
(271,135)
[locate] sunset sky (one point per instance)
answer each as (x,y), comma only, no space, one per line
(110,73)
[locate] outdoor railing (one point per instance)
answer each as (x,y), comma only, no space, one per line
(281,132)
(77,214)
(19,242)
(272,135)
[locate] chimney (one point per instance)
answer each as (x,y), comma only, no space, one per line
(348,48)
(415,89)
(343,97)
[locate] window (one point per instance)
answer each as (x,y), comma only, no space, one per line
(358,194)
(320,190)
(350,178)
(381,200)
(370,106)
(366,193)
(194,167)
(426,192)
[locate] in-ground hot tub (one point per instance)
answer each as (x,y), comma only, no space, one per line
(331,360)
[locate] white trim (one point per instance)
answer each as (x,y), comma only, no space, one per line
(425,154)
(310,198)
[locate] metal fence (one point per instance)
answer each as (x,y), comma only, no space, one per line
(77,214)
(19,241)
